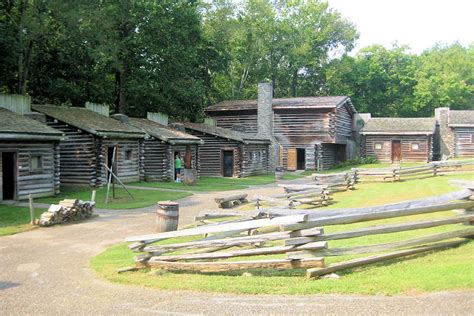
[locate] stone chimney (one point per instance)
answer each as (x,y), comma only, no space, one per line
(265,122)
(444,136)
(157,117)
(40,117)
(102,109)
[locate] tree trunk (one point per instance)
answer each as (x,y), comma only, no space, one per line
(294,83)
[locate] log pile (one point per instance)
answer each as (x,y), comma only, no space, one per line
(67,211)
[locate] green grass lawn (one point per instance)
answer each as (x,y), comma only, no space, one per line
(451,269)
(208,184)
(15,219)
(368,166)
(141,198)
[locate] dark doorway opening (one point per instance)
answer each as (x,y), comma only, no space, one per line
(300,158)
(228,163)
(396,151)
(8,175)
(340,153)
(175,155)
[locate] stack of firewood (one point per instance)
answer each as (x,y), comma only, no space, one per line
(67,211)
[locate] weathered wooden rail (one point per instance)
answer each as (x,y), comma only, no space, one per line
(301,239)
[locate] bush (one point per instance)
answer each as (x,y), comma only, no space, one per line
(357,161)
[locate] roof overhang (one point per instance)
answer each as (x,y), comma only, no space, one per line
(35,136)
(123,135)
(461,125)
(397,133)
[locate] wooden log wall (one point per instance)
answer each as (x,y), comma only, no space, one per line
(156,161)
(227,119)
(343,124)
(127,169)
(40,182)
(384,155)
(210,154)
(464,141)
(78,156)
(255,160)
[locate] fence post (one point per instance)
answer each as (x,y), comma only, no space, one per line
(32,210)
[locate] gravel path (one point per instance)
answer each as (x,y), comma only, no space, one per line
(46,272)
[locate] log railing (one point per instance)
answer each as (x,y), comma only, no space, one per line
(300,238)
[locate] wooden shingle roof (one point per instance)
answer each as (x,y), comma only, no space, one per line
(90,121)
(285,103)
(14,126)
(226,133)
(162,132)
(400,126)
(461,118)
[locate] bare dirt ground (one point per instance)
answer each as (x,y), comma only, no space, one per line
(46,272)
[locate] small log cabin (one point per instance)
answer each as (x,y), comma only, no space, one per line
(29,157)
(461,124)
(229,153)
(394,140)
(94,141)
(160,148)
(311,132)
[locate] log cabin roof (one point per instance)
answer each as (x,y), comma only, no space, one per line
(16,126)
(399,126)
(90,121)
(162,132)
(327,102)
(226,133)
(463,118)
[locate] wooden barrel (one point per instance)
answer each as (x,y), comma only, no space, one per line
(167,216)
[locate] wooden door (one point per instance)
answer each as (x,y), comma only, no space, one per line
(291,159)
(228,163)
(396,151)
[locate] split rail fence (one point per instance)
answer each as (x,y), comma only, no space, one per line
(299,236)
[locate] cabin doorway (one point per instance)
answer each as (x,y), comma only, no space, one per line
(112,153)
(228,163)
(396,151)
(8,175)
(175,155)
(300,158)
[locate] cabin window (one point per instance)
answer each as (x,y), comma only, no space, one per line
(415,146)
(128,155)
(378,146)
(36,163)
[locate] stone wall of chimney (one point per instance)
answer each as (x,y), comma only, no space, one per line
(265,122)
(445,138)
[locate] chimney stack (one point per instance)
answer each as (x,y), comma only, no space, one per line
(157,117)
(444,141)
(265,122)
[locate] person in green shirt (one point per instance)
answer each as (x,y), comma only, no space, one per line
(177,168)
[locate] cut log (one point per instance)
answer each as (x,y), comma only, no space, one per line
(312,273)
(276,264)
(231,198)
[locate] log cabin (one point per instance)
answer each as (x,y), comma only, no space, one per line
(94,141)
(395,140)
(456,132)
(29,157)
(160,147)
(306,132)
(229,153)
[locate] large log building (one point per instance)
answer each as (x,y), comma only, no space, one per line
(159,149)
(29,157)
(308,132)
(394,140)
(94,141)
(229,153)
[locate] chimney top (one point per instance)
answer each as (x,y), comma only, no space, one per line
(120,117)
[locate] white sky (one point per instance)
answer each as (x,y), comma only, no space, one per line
(416,23)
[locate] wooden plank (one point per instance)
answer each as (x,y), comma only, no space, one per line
(399,244)
(221,228)
(240,253)
(236,241)
(231,198)
(276,264)
(321,220)
(315,272)
(392,228)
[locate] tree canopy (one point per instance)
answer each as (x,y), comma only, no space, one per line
(178,56)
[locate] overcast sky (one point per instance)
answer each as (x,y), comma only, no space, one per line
(417,23)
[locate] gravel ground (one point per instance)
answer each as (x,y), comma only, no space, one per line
(46,272)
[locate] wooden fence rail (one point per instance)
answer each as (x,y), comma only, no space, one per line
(301,237)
